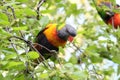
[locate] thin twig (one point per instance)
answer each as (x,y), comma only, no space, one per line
(38,8)
(31,45)
(12,44)
(54,54)
(28,43)
(13,12)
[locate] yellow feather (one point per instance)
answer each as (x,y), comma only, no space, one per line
(51,35)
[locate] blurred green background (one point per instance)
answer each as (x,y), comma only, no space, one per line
(93,55)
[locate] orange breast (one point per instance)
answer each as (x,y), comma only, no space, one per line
(115,20)
(51,34)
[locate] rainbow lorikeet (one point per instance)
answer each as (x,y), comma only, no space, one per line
(106,10)
(53,37)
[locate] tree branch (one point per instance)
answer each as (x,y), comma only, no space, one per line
(38,8)
(31,45)
(14,16)
(13,12)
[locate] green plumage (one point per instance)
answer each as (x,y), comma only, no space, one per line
(104,10)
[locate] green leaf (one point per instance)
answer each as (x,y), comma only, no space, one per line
(68,65)
(19,13)
(44,75)
(20,76)
(8,51)
(116,58)
(44,21)
(3,63)
(96,59)
(20,28)
(33,55)
(47,11)
(3,16)
(3,22)
(11,56)
(113,2)
(79,75)
(1,77)
(4,34)
(14,65)
(23,1)
(4,19)
(73,60)
(29,12)
(108,71)
(56,78)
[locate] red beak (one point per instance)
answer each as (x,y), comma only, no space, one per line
(70,38)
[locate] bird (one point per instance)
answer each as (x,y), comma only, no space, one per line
(52,37)
(107,12)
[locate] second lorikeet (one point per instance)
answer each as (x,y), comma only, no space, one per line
(105,10)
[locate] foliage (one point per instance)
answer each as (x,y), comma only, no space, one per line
(94,53)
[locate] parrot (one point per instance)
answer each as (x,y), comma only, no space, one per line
(106,11)
(52,37)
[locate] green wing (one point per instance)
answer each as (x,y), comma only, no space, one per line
(104,8)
